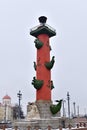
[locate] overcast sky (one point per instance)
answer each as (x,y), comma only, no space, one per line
(69,46)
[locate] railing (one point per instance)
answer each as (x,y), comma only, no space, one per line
(46,25)
(80,126)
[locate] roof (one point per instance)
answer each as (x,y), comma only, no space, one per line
(44,29)
(6,97)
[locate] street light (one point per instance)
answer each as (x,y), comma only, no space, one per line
(74,114)
(68,99)
(19,97)
(64,108)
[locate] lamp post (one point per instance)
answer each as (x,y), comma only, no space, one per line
(78,110)
(68,99)
(19,97)
(74,114)
(63,108)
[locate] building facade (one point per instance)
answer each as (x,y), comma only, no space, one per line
(6,112)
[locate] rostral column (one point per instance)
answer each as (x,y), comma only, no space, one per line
(42,82)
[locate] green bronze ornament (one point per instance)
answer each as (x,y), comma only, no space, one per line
(51,84)
(50,64)
(37,83)
(38,43)
(56,108)
(35,66)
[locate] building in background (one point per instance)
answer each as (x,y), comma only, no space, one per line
(6,111)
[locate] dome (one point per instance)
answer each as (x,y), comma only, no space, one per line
(6,97)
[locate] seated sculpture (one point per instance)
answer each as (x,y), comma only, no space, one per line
(32,111)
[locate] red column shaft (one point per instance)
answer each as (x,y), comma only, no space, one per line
(42,73)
